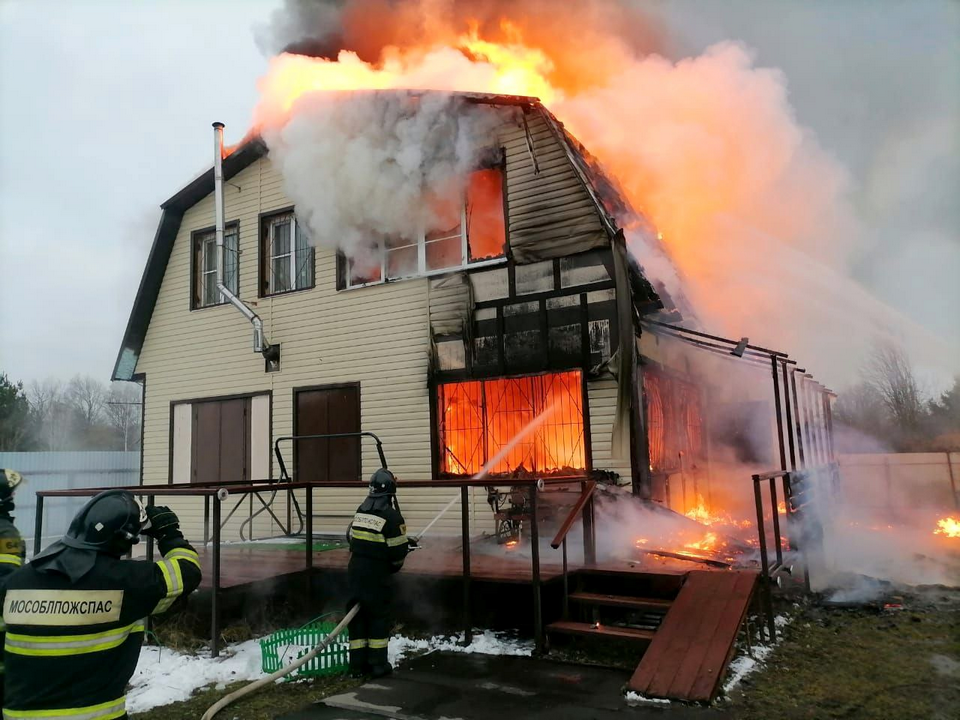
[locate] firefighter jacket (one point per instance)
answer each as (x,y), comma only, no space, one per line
(379,532)
(72,646)
(12,552)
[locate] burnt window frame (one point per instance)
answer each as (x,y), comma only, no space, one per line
(498,162)
(436,435)
(265,258)
(230,229)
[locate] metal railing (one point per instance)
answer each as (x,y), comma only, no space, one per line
(214,497)
(795,504)
(583,508)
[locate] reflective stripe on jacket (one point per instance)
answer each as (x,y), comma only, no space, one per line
(72,647)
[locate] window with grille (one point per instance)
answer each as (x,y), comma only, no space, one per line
(287,257)
(466,232)
(674,420)
(205,292)
(480,422)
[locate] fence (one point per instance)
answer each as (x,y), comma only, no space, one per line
(65,471)
(895,481)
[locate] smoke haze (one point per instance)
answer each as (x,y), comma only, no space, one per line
(756,216)
(358,165)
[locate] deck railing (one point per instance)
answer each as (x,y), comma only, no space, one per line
(584,509)
(215,495)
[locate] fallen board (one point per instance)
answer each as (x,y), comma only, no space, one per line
(692,647)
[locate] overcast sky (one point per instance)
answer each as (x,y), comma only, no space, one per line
(105,110)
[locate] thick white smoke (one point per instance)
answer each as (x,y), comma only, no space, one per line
(359,166)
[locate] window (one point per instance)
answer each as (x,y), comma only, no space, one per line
(205,291)
(674,420)
(463,233)
(287,257)
(480,420)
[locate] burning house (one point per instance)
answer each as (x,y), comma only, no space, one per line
(445,344)
(443,280)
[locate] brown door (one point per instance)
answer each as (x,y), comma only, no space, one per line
(326,411)
(221,441)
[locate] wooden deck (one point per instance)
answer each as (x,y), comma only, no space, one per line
(242,565)
(691,648)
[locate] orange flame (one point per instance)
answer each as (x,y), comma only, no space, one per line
(707,516)
(470,64)
(948,526)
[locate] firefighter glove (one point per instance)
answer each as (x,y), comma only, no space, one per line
(413,543)
(161,522)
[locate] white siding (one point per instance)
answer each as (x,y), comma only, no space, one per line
(378,336)
(602,396)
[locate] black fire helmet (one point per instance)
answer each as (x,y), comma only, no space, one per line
(383,483)
(109,523)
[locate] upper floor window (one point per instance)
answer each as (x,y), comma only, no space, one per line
(204,284)
(465,233)
(286,255)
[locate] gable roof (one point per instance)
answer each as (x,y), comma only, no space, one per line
(172,214)
(254,148)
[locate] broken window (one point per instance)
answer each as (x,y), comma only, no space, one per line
(205,292)
(463,231)
(286,254)
(483,421)
(486,232)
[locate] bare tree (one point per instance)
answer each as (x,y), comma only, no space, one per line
(52,415)
(122,409)
(889,372)
(86,395)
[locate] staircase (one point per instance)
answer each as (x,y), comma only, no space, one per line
(616,604)
(684,626)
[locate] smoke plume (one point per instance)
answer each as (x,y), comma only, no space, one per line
(381,154)
(754,214)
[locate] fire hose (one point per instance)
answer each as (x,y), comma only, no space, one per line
(434,521)
(282,672)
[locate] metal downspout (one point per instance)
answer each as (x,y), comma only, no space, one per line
(260,343)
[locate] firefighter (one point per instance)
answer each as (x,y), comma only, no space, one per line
(12,550)
(75,615)
(378,546)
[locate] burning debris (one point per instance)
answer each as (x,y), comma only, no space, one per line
(948,526)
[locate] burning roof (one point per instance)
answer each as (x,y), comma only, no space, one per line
(611,208)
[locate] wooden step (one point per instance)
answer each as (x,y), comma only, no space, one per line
(567,627)
(625,602)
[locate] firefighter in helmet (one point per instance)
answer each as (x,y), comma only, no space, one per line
(12,550)
(378,546)
(75,615)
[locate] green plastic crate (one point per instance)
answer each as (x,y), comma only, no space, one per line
(284,646)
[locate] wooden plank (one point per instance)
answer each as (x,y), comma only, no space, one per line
(620,601)
(718,655)
(691,649)
(605,631)
(711,622)
(679,630)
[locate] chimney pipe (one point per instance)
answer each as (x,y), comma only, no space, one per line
(260,343)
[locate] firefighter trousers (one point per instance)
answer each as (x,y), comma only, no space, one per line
(371,586)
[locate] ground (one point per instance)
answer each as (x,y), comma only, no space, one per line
(864,664)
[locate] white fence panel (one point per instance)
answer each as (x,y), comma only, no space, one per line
(60,471)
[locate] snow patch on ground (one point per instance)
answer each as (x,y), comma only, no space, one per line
(634,698)
(164,676)
(744,665)
(485,642)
